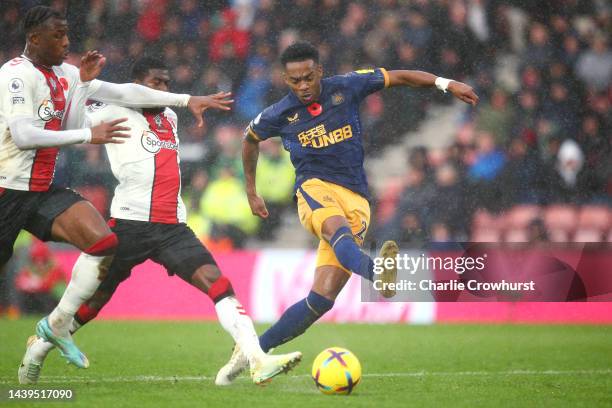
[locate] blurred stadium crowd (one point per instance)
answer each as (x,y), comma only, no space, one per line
(539,142)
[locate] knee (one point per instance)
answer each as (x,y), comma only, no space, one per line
(205,276)
(104,246)
(319,304)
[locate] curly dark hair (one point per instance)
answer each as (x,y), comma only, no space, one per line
(37,16)
(300,51)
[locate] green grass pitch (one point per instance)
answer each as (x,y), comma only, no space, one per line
(172,364)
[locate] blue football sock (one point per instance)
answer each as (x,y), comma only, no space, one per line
(350,255)
(295,320)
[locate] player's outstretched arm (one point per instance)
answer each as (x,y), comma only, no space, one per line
(250,155)
(421,79)
(27,136)
(139,96)
(198,104)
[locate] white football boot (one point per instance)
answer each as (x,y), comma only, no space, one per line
(263,369)
(234,367)
(269,366)
(29,370)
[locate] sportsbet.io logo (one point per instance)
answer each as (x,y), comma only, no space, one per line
(46,111)
(151,143)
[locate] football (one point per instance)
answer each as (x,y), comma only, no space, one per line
(336,370)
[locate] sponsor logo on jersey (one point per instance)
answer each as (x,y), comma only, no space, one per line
(16,85)
(18,100)
(317,137)
(151,143)
(46,111)
(337,98)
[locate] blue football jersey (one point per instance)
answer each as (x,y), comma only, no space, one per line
(327,144)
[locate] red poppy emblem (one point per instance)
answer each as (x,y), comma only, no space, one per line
(315,109)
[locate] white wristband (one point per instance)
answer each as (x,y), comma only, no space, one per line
(184,100)
(442,83)
(88,135)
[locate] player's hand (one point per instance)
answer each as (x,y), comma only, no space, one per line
(464,92)
(109,132)
(258,206)
(91,65)
(198,104)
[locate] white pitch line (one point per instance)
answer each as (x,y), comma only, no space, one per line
(153,378)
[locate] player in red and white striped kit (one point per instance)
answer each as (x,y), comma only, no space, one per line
(148,216)
(41,99)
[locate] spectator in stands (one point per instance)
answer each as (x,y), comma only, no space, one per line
(227,151)
(225,204)
(568,181)
(412,209)
(594,66)
(448,205)
(251,96)
(537,232)
(412,233)
(275,179)
(229,37)
(489,161)
(484,170)
(496,117)
(520,180)
(41,282)
(539,51)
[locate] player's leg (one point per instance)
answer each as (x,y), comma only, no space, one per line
(76,221)
(37,348)
(134,249)
(184,255)
(337,232)
(15,208)
(341,218)
(329,281)
(340,223)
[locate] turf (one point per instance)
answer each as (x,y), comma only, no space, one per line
(173,364)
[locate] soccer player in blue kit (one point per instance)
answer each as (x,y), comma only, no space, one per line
(319,124)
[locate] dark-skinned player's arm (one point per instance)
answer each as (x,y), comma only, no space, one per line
(138,96)
(250,155)
(420,79)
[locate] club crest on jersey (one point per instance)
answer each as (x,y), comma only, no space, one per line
(151,143)
(337,98)
(158,120)
(15,85)
(95,106)
(47,112)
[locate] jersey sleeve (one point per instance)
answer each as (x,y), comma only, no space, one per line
(18,89)
(363,82)
(264,126)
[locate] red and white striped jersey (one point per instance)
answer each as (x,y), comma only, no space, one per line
(40,93)
(146,165)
